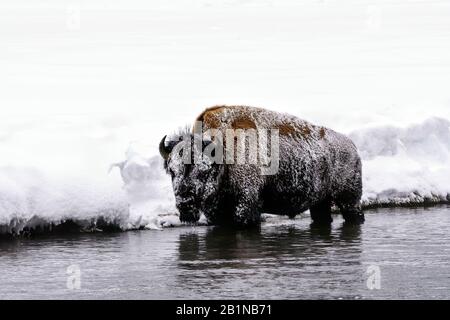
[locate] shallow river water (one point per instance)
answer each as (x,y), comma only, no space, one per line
(396,254)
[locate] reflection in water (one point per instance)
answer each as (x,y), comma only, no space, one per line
(284,259)
(227,244)
(274,254)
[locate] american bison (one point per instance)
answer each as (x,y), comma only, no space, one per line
(316,169)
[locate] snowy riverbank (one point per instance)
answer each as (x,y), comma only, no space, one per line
(402,166)
(89,83)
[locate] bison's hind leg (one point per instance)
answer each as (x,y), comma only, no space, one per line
(321,212)
(352,213)
(349,200)
(351,209)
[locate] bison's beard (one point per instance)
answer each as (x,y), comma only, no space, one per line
(189,217)
(204,198)
(189,211)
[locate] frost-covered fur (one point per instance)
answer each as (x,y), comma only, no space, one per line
(318,167)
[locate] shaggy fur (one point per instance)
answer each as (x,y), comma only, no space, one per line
(318,168)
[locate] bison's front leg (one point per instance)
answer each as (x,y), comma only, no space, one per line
(246,214)
(245,187)
(321,213)
(349,205)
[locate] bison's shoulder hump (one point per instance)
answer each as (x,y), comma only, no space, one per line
(245,117)
(234,117)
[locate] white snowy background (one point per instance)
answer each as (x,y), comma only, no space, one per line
(84,84)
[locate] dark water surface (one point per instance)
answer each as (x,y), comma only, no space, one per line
(286,259)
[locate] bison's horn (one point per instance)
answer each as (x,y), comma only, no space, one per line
(163,150)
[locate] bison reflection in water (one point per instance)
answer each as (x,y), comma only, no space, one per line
(230,245)
(226,259)
(317,168)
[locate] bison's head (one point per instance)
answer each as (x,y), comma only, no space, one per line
(195,175)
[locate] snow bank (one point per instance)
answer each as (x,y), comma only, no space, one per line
(31,200)
(405,165)
(149,191)
(75,93)
(54,174)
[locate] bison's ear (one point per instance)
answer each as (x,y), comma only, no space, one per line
(163,149)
